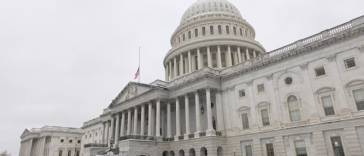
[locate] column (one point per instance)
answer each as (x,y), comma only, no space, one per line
(178,121)
(254,55)
(210,130)
(112,127)
(353,141)
(107,133)
(135,120)
(180,65)
(319,140)
(103,132)
(166,73)
(122,123)
(150,118)
(247,54)
(169,128)
(219,57)
(242,57)
(198,120)
(199,66)
(129,122)
(209,61)
(189,62)
(158,118)
(236,60)
(257,147)
(345,112)
(117,130)
(187,114)
(229,57)
(219,111)
(170,71)
(175,68)
(142,119)
(239,55)
(279,145)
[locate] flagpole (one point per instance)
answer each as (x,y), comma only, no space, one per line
(139,66)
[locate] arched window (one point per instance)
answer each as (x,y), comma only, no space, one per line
(241,32)
(232,59)
(196,32)
(211,30)
(189,35)
(223,59)
(234,29)
(178,72)
(179,39)
(184,67)
(205,63)
(203,31)
(227,30)
(246,33)
(184,37)
(219,29)
(294,110)
(214,60)
(196,63)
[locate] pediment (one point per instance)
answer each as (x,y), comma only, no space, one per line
(25,133)
(324,90)
(132,90)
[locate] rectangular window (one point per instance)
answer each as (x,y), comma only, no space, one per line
(270,150)
(245,121)
(69,153)
(60,153)
(242,93)
(265,117)
(337,146)
(248,150)
(77,153)
(79,141)
(300,147)
(62,140)
(328,107)
(320,71)
(359,98)
(70,141)
(349,63)
(261,88)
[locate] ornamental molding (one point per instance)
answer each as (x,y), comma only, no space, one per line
(304,66)
(249,83)
(361,48)
(331,57)
(269,77)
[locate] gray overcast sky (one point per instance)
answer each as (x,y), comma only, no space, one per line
(63,61)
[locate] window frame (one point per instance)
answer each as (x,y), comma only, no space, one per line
(349,58)
(299,108)
(211,30)
(242,120)
(295,148)
(356,105)
(317,76)
(251,150)
(332,147)
(266,148)
(203,31)
(261,116)
(332,102)
(227,30)
(242,90)
(196,32)
(258,88)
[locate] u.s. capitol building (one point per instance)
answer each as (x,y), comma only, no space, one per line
(224,94)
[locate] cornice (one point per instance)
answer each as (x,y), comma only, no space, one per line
(300,50)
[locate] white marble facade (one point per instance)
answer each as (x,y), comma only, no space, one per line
(223,94)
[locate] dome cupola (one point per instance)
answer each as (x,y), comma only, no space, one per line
(212,33)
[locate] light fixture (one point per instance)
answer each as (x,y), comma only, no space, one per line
(202,110)
(336,144)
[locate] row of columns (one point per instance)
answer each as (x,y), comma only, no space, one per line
(116,119)
(171,68)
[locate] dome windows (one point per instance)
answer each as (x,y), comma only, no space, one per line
(211,30)
(184,37)
(241,32)
(227,30)
(288,81)
(219,29)
(234,29)
(203,31)
(196,32)
(189,35)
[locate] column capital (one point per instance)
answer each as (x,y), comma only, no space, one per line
(196,91)
(304,66)
(185,94)
(331,57)
(208,88)
(269,77)
(361,48)
(249,83)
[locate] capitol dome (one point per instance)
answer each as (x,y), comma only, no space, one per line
(213,34)
(203,7)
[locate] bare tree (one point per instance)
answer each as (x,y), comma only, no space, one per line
(5,153)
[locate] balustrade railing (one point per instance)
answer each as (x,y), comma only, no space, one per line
(95,145)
